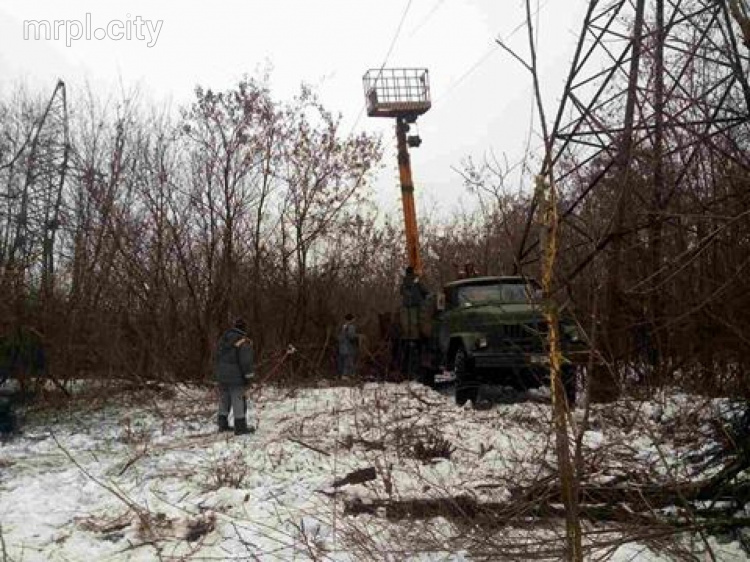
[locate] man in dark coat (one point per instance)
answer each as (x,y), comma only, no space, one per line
(233,370)
(413,292)
(413,295)
(348,346)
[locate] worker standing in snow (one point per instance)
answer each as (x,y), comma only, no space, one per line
(413,295)
(348,347)
(233,370)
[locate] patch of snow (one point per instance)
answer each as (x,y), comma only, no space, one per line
(135,482)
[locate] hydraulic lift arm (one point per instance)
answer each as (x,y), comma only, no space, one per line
(407,198)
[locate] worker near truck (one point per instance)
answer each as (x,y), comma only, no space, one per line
(413,292)
(348,341)
(413,295)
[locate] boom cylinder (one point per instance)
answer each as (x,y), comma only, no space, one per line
(407,198)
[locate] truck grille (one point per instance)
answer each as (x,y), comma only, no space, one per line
(529,337)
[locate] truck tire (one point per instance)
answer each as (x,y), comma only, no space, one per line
(467,387)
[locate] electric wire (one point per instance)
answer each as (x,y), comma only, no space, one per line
(385,60)
(484,57)
(427,18)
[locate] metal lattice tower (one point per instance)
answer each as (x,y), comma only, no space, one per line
(657,93)
(33,204)
(660,76)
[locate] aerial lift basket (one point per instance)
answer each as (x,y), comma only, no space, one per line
(397,92)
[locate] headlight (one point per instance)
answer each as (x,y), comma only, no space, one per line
(481,342)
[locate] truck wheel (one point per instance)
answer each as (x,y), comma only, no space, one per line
(467,387)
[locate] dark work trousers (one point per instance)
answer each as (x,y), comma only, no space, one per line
(347,364)
(232,397)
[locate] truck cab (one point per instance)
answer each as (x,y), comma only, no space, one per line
(493,330)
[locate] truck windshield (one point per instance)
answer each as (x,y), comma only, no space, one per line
(504,292)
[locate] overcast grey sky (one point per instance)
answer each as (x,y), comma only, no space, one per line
(481,95)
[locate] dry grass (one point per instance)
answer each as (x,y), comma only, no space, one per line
(226,472)
(423,444)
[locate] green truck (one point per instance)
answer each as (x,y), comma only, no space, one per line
(492,330)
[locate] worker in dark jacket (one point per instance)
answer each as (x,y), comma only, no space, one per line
(413,292)
(233,370)
(348,347)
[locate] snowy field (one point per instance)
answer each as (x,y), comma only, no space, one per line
(149,479)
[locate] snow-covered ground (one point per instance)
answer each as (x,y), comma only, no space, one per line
(150,479)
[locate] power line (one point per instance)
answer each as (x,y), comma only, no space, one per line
(479,62)
(426,18)
(395,37)
(385,59)
(485,56)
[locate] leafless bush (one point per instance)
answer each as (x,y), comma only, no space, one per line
(134,432)
(106,524)
(423,443)
(198,527)
(227,471)
(154,525)
(309,535)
